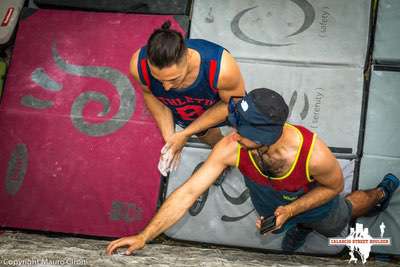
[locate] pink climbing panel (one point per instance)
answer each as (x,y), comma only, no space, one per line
(79,150)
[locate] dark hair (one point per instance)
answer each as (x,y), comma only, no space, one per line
(165,46)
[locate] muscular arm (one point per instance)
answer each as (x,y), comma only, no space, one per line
(161,113)
(177,204)
(230,83)
(326,171)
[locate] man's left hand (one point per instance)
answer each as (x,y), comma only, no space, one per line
(174,146)
(282,213)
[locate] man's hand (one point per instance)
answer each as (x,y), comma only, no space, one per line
(258,222)
(133,243)
(174,145)
(282,213)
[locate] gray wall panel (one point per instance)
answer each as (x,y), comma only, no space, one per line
(323,31)
(9,15)
(387,36)
(210,224)
(326,100)
(383,123)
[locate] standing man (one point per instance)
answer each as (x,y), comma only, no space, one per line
(186,82)
(289,171)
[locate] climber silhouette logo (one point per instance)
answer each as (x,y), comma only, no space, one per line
(360,241)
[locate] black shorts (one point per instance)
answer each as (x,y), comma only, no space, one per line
(337,219)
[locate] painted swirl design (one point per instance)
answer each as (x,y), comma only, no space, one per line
(125,90)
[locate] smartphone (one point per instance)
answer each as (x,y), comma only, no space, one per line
(267,224)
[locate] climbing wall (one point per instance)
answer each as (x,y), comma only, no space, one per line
(79,148)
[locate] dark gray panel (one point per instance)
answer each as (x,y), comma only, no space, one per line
(184,22)
(173,7)
(31,4)
(373,168)
(382,122)
(387,36)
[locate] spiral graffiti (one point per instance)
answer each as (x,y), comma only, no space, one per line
(36,103)
(201,201)
(292,102)
(40,77)
(199,204)
(236,200)
(226,218)
(309,17)
(306,107)
(16,170)
(125,90)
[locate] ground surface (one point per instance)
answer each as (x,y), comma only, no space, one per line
(31,249)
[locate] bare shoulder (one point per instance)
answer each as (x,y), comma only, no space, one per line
(227,60)
(230,80)
(229,67)
(322,160)
(325,168)
(133,65)
(226,150)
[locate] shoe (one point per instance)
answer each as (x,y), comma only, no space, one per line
(389,184)
(295,237)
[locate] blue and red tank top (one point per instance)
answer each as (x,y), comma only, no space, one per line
(189,103)
(268,193)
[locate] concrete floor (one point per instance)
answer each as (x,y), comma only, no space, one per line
(32,249)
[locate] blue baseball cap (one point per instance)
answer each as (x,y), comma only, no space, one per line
(259,116)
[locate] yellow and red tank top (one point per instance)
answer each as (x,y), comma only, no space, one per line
(298,176)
